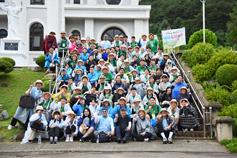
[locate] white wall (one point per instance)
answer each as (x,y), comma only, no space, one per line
(75,24)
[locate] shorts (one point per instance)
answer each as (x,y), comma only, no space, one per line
(61,54)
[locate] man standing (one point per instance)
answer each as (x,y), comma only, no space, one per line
(133,43)
(63,45)
(105,43)
(153,43)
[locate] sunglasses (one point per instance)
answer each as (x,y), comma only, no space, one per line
(184,101)
(104,111)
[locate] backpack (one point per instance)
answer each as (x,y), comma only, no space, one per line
(90,97)
(103,137)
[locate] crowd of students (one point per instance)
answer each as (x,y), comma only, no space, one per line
(128,89)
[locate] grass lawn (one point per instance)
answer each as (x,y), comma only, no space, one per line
(230,144)
(19,82)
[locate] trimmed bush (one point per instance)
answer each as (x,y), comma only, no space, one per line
(197,37)
(207,71)
(234,126)
(234,86)
(199,54)
(5,66)
(226,74)
(218,94)
(41,61)
(233,97)
(46,86)
(10,60)
(230,110)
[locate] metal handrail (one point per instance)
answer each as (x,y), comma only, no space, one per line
(191,87)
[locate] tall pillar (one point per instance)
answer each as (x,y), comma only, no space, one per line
(138,28)
(89,28)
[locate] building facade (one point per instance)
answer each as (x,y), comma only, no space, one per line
(86,18)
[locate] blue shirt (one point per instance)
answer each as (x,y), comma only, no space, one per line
(105,44)
(93,77)
(164,124)
(81,67)
(175,91)
(78,108)
(105,56)
(84,57)
(90,51)
(105,123)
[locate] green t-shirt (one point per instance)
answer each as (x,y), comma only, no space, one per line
(63,45)
(153,44)
(109,77)
(134,44)
(153,68)
(154,111)
(141,69)
(96,45)
(113,62)
(62,109)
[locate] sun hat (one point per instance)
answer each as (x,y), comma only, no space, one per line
(184,99)
(101,60)
(52,31)
(39,108)
(130,47)
(83,129)
(149,89)
(122,98)
(107,87)
(106,100)
(163,109)
(78,70)
(164,75)
(123,46)
(183,88)
(140,111)
(39,81)
(135,71)
(136,100)
(85,77)
(102,76)
(126,61)
(165,54)
(83,39)
(120,88)
(173,101)
(111,54)
(144,35)
(63,32)
(105,68)
(70,112)
(63,86)
(121,36)
(77,88)
(174,68)
(95,50)
(81,61)
(116,36)
(92,38)
(45,93)
(137,78)
(60,114)
(74,50)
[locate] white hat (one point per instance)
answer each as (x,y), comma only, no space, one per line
(163,109)
(116,36)
(106,100)
(70,112)
(39,81)
(137,78)
(122,98)
(174,68)
(83,39)
(149,89)
(174,101)
(126,61)
(52,31)
(92,38)
(107,87)
(39,108)
(63,32)
(136,100)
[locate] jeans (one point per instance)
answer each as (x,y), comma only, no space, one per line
(70,130)
(141,137)
(54,132)
(122,133)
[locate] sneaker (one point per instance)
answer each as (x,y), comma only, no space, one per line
(9,127)
(170,140)
(186,130)
(119,140)
(67,140)
(51,140)
(164,140)
(191,130)
(55,140)
(146,139)
(71,139)
(81,140)
(30,141)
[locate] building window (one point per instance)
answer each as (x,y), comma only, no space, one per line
(76,33)
(3,33)
(113,2)
(2,0)
(37,2)
(77,1)
(36,37)
(111,32)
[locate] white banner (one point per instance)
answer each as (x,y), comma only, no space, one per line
(173,38)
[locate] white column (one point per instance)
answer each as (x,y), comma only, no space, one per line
(138,28)
(134,2)
(146,27)
(89,28)
(53,16)
(63,21)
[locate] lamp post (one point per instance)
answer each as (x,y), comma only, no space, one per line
(203,5)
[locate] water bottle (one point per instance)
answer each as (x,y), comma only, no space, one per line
(39,140)
(97,141)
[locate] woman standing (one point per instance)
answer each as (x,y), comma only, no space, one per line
(34,92)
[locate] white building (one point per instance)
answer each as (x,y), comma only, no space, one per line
(91,18)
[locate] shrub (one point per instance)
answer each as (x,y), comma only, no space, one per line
(207,71)
(197,37)
(233,97)
(199,54)
(218,94)
(46,85)
(230,110)
(10,60)
(226,74)
(5,66)
(234,126)
(234,86)
(41,61)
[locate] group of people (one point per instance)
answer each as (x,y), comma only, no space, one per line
(128,89)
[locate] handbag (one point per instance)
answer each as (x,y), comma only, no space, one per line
(103,137)
(36,125)
(27,101)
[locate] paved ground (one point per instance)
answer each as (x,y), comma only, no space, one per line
(180,148)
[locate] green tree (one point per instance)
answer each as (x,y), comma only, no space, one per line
(232,28)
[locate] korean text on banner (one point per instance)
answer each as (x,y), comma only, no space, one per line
(173,38)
